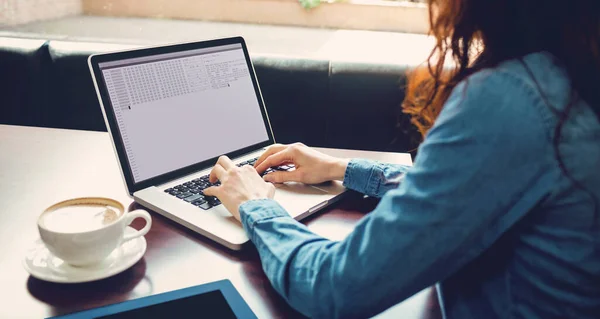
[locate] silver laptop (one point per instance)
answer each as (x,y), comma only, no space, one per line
(172,111)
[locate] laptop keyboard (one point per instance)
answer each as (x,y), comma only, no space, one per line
(191,191)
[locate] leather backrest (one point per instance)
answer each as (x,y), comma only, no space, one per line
(295,92)
(72,97)
(341,104)
(365,107)
(22,69)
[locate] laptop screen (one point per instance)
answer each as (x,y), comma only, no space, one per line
(177,109)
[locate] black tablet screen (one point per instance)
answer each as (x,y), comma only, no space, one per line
(207,305)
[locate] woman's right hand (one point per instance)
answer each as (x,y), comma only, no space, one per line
(312,167)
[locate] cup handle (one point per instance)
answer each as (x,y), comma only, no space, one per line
(140,213)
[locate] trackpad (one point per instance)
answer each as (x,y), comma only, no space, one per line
(299,188)
(298,198)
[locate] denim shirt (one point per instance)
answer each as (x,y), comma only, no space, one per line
(486,212)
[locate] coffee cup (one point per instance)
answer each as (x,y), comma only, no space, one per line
(84,231)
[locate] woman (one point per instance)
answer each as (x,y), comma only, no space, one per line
(501,206)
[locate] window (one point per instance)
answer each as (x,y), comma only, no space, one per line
(383,15)
(373,30)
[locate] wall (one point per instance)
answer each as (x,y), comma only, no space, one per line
(14,12)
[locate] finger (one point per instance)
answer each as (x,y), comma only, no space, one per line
(282,177)
(274,160)
(270,151)
(217,173)
(225,162)
(212,191)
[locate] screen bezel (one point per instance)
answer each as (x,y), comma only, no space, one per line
(237,304)
(113,127)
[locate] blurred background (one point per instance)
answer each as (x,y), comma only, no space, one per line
(370,30)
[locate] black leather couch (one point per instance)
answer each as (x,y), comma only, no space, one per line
(317,102)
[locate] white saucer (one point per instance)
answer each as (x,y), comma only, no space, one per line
(41,264)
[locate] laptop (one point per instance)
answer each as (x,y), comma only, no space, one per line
(171,111)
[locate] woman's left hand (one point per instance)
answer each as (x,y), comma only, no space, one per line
(238,185)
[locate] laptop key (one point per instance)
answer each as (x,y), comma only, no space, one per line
(213,201)
(205,206)
(184,195)
(168,190)
(269,170)
(199,202)
(193,198)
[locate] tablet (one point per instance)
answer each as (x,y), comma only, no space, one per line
(214,300)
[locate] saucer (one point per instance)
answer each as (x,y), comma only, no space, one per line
(41,264)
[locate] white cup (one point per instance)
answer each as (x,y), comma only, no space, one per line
(88,247)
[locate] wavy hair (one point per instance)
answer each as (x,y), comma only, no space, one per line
(475,34)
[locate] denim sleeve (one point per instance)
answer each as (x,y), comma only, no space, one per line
(373,178)
(484,165)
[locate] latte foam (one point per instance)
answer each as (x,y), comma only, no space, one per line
(79,218)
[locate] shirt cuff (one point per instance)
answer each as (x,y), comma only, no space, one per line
(358,176)
(256,210)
